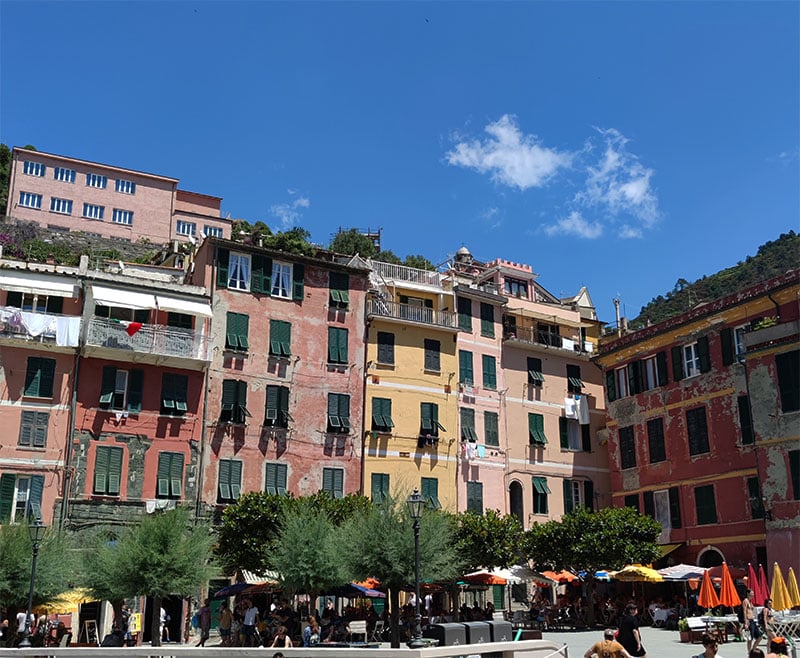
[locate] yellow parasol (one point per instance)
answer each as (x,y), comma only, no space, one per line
(779,594)
(66,602)
(708,595)
(791,587)
(637,573)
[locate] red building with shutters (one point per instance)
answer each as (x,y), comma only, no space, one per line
(700,425)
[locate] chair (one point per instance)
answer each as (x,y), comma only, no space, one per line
(377,632)
(358,627)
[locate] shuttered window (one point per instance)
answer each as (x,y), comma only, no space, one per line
(540,492)
(275,479)
(429,489)
(339,284)
(788,367)
(535,376)
(655,440)
(338,413)
(674,507)
(697,431)
(380,487)
(487,320)
(333,482)
(107,470)
(745,420)
(276,413)
(33,429)
(173,394)
(536,434)
(234,402)
(261,275)
(466,375)
(121,389)
(382,415)
(229,483)
(468,425)
(280,338)
(475,497)
(237,330)
(490,429)
(756,501)
(170,475)
(705,505)
(627,448)
(489,372)
(429,420)
(386,348)
(432,355)
(337,345)
(39,377)
(465,314)
(20,498)
(574,382)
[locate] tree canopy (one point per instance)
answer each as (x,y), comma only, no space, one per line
(489,540)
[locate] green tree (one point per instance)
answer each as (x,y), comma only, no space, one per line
(294,241)
(351,242)
(5,177)
(489,540)
(584,540)
(419,262)
(388,256)
(384,539)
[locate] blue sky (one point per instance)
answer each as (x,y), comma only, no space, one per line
(616,145)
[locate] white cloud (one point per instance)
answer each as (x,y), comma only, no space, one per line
(289,213)
(628,232)
(492,218)
(511,158)
(575,225)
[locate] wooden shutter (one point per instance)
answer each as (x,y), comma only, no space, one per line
(333,345)
(236,479)
(702,353)
(231,331)
(271,485)
(385,347)
(788,367)
(468,424)
(632,371)
(475,497)
(135,389)
(101,470)
(271,410)
(487,320)
(333,412)
(674,508)
(283,406)
(224,479)
(7,485)
(649,504)
(39,434)
(26,428)
(677,363)
(498,596)
(34,510)
(241,401)
(343,352)
(489,372)
(465,313)
(298,285)
(229,390)
(567,488)
(114,470)
(223,258)
(257,265)
(379,486)
(745,420)
(586,438)
(176,474)
(490,428)
(465,372)
(563,432)
(243,330)
(726,341)
(163,474)
(344,411)
(611,385)
(280,479)
(327,480)
(432,349)
(588,494)
(661,366)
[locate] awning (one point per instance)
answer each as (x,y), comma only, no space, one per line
(666,549)
(123,298)
(178,305)
(550,318)
(39,284)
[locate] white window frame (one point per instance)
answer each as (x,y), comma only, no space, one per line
(281,279)
(577,493)
(122,217)
(239,271)
(125,186)
(574,435)
(185,228)
(30,200)
(21,498)
(93,211)
(120,398)
(32,168)
(621,378)
(63,174)
(691,360)
(651,373)
(212,231)
(96,180)
(61,206)
(738,341)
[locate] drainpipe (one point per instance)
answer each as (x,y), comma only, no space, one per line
(204,425)
(777,307)
(68,451)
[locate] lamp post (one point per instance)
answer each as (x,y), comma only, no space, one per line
(36,532)
(415,505)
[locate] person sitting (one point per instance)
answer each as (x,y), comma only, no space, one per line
(282,638)
(777,647)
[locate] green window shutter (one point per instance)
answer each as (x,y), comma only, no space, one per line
(702,353)
(180,391)
(333,412)
(333,345)
(432,354)
(271,486)
(224,480)
(426,417)
(101,470)
(435,420)
(536,429)
(107,385)
(563,432)
(135,389)
(298,285)
(327,480)
(343,352)
(586,438)
(475,497)
(280,479)
(746,420)
(271,410)
(338,483)
(8,483)
(568,505)
(32,377)
(674,507)
(35,497)
(283,406)
(498,596)
(176,474)
(339,284)
(243,330)
(385,347)
(588,494)
(487,320)
(677,363)
(632,372)
(726,341)
(377,486)
(468,425)
(275,337)
(756,502)
(223,258)
(114,470)
(236,479)
(168,392)
(535,375)
(26,428)
(661,366)
(163,474)
(232,331)
(40,423)
(429,490)
(611,385)
(649,504)
(257,265)
(465,372)
(490,428)
(465,313)
(229,390)
(241,401)
(344,411)
(489,372)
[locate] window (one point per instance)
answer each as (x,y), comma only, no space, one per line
(432,355)
(468,425)
(746,420)
(123,217)
(788,367)
(20,497)
(39,377)
(33,429)
(578,493)
(238,271)
(738,335)
(756,501)
(237,329)
(280,338)
(490,429)
(429,420)
(704,504)
(540,491)
(466,375)
(535,376)
(33,168)
(30,200)
(125,186)
(64,175)
(337,345)
(333,482)
(234,402)
(627,447)
(655,371)
(180,320)
(548,334)
(275,479)
(380,487)
(107,470)
(91,211)
(674,507)
(61,206)
(465,313)
(536,434)
(338,413)
(574,382)
(487,320)
(96,180)
(185,228)
(276,412)
(382,415)
(170,475)
(570,433)
(36,303)
(794,473)
(489,372)
(386,348)
(516,288)
(621,381)
(429,489)
(212,231)
(281,280)
(229,483)
(339,294)
(632,501)
(655,440)
(690,360)
(475,497)
(173,394)
(697,430)
(121,390)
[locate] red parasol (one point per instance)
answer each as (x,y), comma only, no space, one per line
(563,576)
(728,595)
(754,585)
(763,583)
(708,595)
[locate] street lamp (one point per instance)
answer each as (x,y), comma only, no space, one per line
(415,505)
(36,532)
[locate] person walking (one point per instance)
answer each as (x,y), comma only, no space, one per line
(750,623)
(204,622)
(608,647)
(629,636)
(765,618)
(225,623)
(249,625)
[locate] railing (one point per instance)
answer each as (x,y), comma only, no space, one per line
(150,339)
(412,313)
(536,336)
(39,327)
(392,272)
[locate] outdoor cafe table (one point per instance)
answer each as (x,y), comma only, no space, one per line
(718,626)
(787,624)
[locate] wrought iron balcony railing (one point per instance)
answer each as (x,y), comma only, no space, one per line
(412,313)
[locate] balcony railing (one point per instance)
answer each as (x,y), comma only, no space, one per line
(150,339)
(539,337)
(39,327)
(392,272)
(412,313)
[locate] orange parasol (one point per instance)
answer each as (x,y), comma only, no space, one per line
(484,577)
(563,576)
(791,587)
(779,594)
(727,593)
(708,595)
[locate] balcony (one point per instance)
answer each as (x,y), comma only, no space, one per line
(44,328)
(391,272)
(532,336)
(411,313)
(163,345)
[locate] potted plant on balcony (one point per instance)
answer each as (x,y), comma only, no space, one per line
(683,629)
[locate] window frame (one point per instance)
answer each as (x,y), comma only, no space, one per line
(239,270)
(280,338)
(431,419)
(105,468)
(385,348)
(656,441)
(382,422)
(126,391)
(276,477)
(464,313)
(691,360)
(467,418)
(540,491)
(169,475)
(535,375)
(489,372)
(30,200)
(60,206)
(33,168)
(433,355)
(125,186)
(93,211)
(379,487)
(122,217)
(491,429)
(233,407)
(787,367)
(96,181)
(475,497)
(333,482)
(705,505)
(338,290)
(33,428)
(466,371)
(276,407)
(338,338)
(429,490)
(39,378)
(338,413)
(697,431)
(574,380)
(487,320)
(536,433)
(627,447)
(185,228)
(282,273)
(174,394)
(229,468)
(64,174)
(237,332)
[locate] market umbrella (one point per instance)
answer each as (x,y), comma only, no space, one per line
(779,594)
(484,577)
(754,585)
(67,602)
(762,582)
(562,576)
(708,595)
(727,593)
(637,573)
(791,587)
(682,572)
